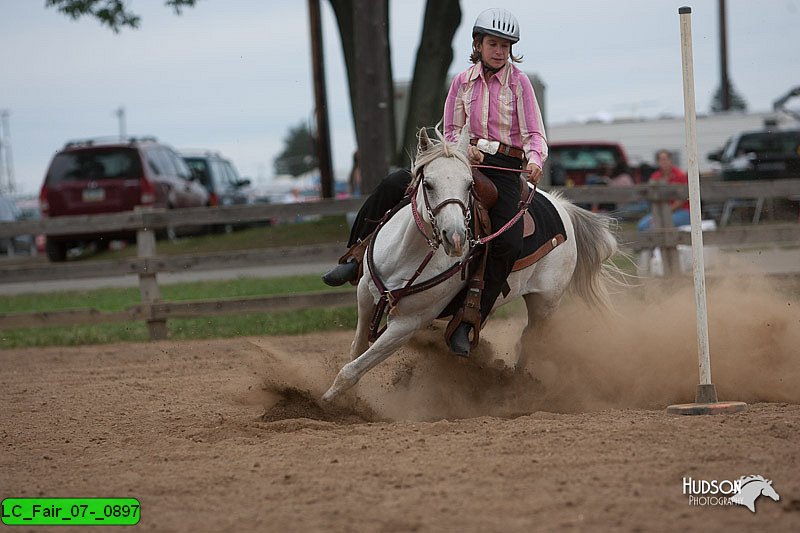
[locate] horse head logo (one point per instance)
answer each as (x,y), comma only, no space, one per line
(751,488)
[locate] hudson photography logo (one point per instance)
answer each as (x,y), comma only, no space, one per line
(743,491)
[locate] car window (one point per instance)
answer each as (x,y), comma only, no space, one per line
(167,164)
(233,176)
(94,165)
(220,175)
(585,158)
(154,161)
(180,166)
(199,166)
(770,143)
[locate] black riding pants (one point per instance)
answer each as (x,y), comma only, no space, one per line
(504,249)
(386,195)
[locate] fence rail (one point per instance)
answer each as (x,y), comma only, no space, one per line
(148,264)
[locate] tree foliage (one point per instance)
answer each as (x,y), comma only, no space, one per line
(298,155)
(112,13)
(738,103)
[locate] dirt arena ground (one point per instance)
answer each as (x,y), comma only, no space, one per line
(224,435)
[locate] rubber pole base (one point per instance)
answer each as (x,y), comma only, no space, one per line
(706,403)
(718,408)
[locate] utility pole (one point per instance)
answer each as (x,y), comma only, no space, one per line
(322,143)
(120,112)
(725,84)
(6,160)
(372,90)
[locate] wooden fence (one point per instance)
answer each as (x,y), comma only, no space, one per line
(148,264)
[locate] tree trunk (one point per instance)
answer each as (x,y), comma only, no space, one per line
(343,10)
(364,29)
(429,85)
(373,90)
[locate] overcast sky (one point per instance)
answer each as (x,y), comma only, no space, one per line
(234,75)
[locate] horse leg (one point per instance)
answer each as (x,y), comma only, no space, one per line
(540,307)
(398,332)
(366,305)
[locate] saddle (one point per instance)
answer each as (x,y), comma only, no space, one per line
(486,195)
(466,307)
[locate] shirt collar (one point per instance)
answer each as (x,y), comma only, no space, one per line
(503,75)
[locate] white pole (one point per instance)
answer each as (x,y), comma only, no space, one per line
(698,267)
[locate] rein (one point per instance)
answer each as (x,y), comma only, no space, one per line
(523,206)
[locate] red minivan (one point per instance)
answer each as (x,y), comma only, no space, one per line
(107,176)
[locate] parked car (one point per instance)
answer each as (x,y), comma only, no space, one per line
(97,176)
(221,180)
(10,212)
(571,163)
(766,154)
(595,163)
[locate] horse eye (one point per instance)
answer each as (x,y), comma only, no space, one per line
(428,186)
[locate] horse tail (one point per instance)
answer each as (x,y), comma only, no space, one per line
(596,244)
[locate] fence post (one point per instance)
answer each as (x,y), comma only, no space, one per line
(662,219)
(148,285)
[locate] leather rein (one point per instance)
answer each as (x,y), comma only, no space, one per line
(393,296)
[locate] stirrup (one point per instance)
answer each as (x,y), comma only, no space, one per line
(459,341)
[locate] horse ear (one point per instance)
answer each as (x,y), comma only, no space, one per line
(463,140)
(424,142)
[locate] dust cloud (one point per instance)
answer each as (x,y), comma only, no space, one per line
(643,356)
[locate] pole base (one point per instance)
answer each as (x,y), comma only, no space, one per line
(706,404)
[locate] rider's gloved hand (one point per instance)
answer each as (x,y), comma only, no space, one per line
(474,155)
(534,173)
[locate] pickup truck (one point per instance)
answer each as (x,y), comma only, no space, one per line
(766,154)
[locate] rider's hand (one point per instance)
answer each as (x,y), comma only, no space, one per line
(534,173)
(475,156)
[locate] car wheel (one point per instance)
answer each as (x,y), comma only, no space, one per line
(56,251)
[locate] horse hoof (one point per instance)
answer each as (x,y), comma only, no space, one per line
(329,396)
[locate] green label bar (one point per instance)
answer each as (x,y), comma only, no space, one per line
(70,511)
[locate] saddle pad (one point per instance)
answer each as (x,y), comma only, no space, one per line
(548,234)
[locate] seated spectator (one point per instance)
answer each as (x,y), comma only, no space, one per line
(667,173)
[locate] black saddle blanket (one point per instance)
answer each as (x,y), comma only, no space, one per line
(548,224)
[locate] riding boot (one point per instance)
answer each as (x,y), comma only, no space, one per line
(341,274)
(459,342)
(350,265)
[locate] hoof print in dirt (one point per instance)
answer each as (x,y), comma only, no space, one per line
(302,404)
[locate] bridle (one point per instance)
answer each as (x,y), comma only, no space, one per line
(436,239)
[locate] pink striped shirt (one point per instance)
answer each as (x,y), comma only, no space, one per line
(504,109)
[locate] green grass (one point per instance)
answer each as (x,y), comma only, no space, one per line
(321,230)
(277,323)
(288,323)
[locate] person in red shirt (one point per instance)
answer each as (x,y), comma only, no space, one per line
(667,173)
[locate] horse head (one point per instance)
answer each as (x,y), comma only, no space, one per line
(767,490)
(442,184)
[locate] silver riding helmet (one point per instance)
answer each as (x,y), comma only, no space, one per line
(498,22)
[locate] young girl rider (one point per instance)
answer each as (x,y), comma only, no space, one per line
(495,101)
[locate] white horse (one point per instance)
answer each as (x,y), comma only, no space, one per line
(400,247)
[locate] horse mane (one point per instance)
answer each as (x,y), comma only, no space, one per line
(747,479)
(437,147)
